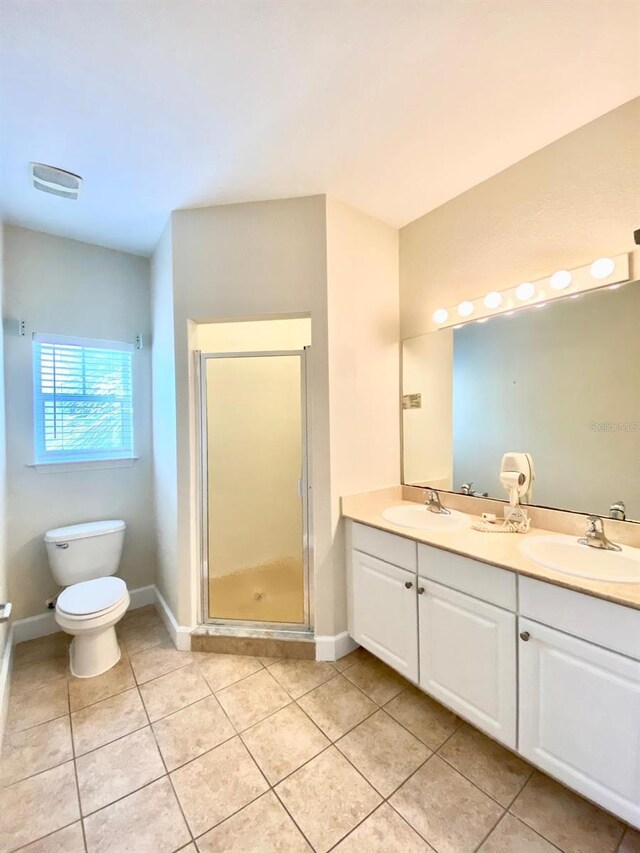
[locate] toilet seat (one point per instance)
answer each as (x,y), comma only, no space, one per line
(90,599)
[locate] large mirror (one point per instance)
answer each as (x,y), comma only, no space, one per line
(561,382)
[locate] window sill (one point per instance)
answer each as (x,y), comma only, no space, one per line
(84,465)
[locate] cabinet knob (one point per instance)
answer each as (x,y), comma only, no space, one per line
(524,635)
(420,590)
(408,584)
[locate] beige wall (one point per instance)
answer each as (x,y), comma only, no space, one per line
(363,375)
(65,287)
(573,201)
(279,259)
(165,473)
(240,261)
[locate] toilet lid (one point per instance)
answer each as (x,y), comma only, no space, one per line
(94,596)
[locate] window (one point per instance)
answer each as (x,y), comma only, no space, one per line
(82,399)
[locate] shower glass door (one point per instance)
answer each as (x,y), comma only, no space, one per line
(255,488)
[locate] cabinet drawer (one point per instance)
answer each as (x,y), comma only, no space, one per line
(488,583)
(392,549)
(603,622)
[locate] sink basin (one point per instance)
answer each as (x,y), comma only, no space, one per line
(420,518)
(565,554)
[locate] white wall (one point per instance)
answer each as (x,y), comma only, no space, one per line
(562,207)
(364,369)
(62,286)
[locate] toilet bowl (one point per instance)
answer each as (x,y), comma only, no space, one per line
(83,558)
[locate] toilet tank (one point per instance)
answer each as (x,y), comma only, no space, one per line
(83,552)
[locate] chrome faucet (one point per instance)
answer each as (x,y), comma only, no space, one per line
(618,511)
(433,503)
(595,536)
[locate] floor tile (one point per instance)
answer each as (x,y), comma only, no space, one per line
(223,670)
(42,648)
(283,742)
(352,658)
(268,661)
(327,798)
(88,691)
(38,673)
(565,818)
(376,679)
(149,821)
(252,699)
(204,800)
(513,836)
(384,831)
(173,691)
(337,706)
(424,717)
(265,822)
(448,811)
(34,750)
(631,842)
(118,769)
(142,632)
(192,731)
(383,751)
(157,661)
(499,773)
(105,721)
(38,806)
(37,706)
(67,840)
(300,676)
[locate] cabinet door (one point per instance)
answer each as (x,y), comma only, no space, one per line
(384,612)
(468,658)
(580,716)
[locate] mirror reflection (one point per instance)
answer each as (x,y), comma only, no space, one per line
(559,382)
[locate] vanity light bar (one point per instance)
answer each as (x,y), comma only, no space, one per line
(603,272)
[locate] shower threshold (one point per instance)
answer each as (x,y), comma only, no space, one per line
(256,641)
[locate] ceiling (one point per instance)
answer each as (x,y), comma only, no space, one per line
(394,106)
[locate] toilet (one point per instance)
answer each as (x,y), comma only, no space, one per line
(83,559)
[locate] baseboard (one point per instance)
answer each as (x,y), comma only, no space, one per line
(5,674)
(334,647)
(180,634)
(45,623)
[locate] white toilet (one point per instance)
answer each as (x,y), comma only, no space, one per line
(83,558)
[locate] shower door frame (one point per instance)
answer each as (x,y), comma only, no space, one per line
(304,490)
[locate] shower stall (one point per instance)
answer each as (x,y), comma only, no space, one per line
(255,489)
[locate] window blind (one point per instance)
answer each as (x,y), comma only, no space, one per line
(82,399)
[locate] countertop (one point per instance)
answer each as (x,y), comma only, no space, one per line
(497,549)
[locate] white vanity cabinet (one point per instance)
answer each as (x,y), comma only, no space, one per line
(552,673)
(468,658)
(383,607)
(579,702)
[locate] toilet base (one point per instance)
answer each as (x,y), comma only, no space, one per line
(93,654)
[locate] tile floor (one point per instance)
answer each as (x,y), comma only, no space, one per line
(208,753)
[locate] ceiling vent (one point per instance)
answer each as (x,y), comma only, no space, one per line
(56,181)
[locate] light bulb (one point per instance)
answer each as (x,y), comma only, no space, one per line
(602,268)
(525,291)
(493,299)
(441,315)
(561,279)
(465,309)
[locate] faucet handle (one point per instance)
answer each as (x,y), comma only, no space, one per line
(594,524)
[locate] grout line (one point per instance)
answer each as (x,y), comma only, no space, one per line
(48,835)
(75,774)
